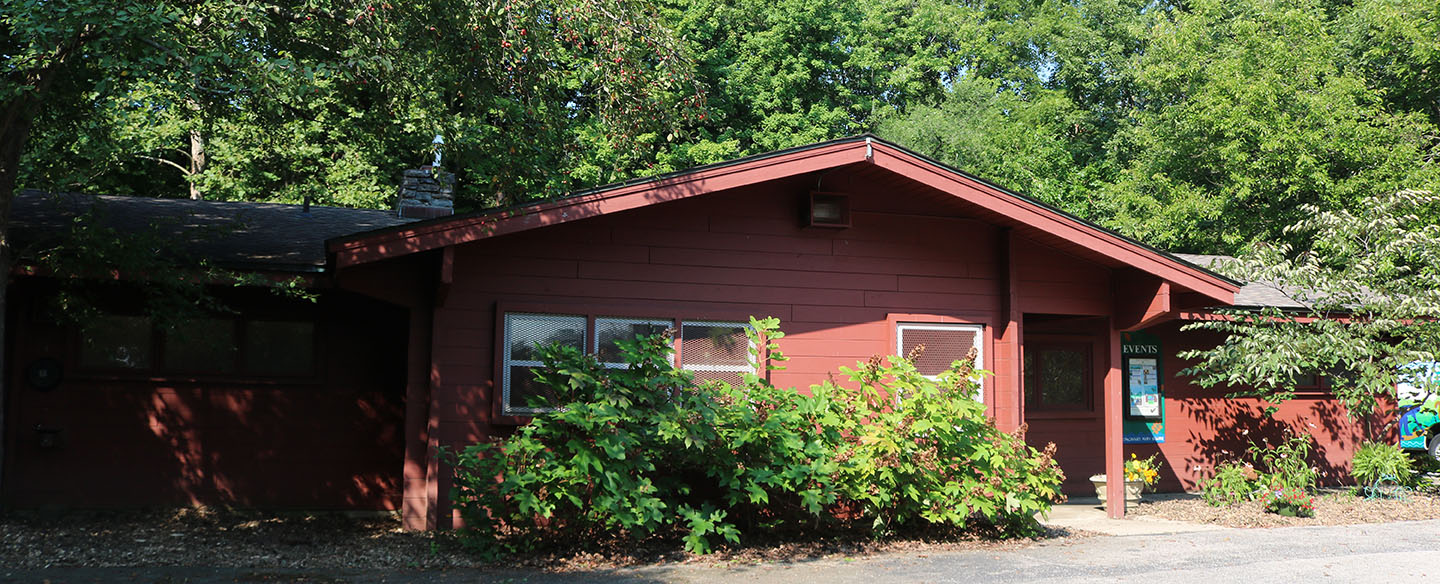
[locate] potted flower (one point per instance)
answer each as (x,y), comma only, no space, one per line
(1140,474)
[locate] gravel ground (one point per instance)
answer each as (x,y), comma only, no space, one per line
(246,539)
(1336,507)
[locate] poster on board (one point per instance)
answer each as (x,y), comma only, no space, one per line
(1144,382)
(1144,389)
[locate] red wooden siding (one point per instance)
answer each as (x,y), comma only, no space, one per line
(1203,427)
(736,254)
(332,441)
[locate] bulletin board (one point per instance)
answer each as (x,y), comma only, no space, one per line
(1142,366)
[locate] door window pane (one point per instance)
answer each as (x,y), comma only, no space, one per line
(1058,376)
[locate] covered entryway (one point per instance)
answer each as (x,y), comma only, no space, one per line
(1064,365)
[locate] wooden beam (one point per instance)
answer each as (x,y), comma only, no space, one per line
(427,235)
(1141,300)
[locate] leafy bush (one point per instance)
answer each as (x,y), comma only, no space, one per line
(1374,461)
(933,456)
(641,449)
(1268,468)
(1290,502)
(1233,483)
(1286,464)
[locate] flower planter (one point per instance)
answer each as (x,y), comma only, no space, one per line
(1133,489)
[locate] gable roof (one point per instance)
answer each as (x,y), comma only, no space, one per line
(993,203)
(254,236)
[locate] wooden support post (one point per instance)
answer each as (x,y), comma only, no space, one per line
(415,501)
(1114,436)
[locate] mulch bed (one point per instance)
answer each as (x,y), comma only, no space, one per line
(1332,507)
(223,538)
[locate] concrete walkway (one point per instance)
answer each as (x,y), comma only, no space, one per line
(1087,514)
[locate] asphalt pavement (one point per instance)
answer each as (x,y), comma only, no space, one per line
(1404,551)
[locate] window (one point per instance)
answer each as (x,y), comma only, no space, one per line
(1058,376)
(282,348)
(117,342)
(710,350)
(944,343)
(524,335)
(202,346)
(715,351)
(610,330)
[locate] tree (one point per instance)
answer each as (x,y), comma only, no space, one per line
(304,95)
(329,100)
(1370,286)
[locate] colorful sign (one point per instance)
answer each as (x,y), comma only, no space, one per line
(1418,391)
(1144,392)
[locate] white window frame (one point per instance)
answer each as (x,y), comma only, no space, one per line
(508,361)
(750,347)
(979,342)
(595,335)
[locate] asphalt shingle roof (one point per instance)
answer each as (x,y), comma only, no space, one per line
(265,236)
(1252,294)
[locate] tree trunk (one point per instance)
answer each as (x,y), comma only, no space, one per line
(197,163)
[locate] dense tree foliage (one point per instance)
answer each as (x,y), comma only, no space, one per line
(1370,288)
(1195,126)
(329,100)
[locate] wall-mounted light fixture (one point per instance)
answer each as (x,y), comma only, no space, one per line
(829,209)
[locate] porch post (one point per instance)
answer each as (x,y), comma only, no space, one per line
(1008,405)
(416,509)
(1114,453)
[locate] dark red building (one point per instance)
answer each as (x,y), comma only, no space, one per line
(425,333)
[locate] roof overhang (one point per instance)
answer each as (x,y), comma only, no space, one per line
(998,204)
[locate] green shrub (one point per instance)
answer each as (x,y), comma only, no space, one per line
(934,457)
(1374,461)
(1286,464)
(1267,467)
(1233,483)
(641,449)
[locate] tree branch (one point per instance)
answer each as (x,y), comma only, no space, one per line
(177,165)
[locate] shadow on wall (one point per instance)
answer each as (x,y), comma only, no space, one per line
(1224,429)
(328,441)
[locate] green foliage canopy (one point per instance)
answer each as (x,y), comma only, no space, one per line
(1370,290)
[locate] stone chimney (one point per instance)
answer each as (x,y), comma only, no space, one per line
(427,192)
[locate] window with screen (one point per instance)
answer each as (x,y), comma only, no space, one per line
(201,346)
(709,350)
(1058,376)
(715,351)
(944,343)
(525,334)
(610,330)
